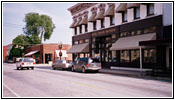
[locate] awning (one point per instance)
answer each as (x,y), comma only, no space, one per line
(78,22)
(73,24)
(84,21)
(132,5)
(79,48)
(121,8)
(31,53)
(100,15)
(92,18)
(64,53)
(131,42)
(110,11)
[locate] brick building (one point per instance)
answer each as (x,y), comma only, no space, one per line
(135,35)
(44,53)
(6,51)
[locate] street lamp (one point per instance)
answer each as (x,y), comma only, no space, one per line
(60,47)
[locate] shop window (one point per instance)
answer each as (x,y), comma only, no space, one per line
(124,56)
(102,23)
(124,34)
(113,36)
(80,29)
(149,56)
(86,27)
(133,33)
(87,40)
(95,54)
(137,13)
(150,9)
(75,30)
(112,21)
(139,32)
(135,56)
(80,41)
(94,25)
(124,16)
(76,42)
(93,39)
(114,57)
(149,30)
(81,55)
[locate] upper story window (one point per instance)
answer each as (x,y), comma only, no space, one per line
(94,25)
(112,22)
(150,9)
(86,27)
(102,23)
(137,13)
(75,30)
(124,16)
(80,29)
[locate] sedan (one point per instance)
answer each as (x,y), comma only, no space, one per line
(25,63)
(61,64)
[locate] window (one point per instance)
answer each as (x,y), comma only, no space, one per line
(150,9)
(75,29)
(136,13)
(124,56)
(135,55)
(87,40)
(112,22)
(114,57)
(124,16)
(86,28)
(76,42)
(150,30)
(94,25)
(80,29)
(80,41)
(149,56)
(102,23)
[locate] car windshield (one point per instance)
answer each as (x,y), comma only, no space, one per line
(28,60)
(94,60)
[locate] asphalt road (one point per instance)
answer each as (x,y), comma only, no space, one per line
(45,82)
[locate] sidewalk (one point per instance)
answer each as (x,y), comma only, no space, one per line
(135,74)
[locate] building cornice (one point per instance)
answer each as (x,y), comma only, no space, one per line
(80,7)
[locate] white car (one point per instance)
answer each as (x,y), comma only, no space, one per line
(25,63)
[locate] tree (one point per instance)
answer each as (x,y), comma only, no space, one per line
(20,43)
(38,26)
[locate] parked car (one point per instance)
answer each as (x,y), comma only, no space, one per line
(61,64)
(25,63)
(85,64)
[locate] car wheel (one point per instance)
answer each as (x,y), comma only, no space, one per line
(73,69)
(54,68)
(83,70)
(17,68)
(28,68)
(32,68)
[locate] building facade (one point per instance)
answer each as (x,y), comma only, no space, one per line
(123,34)
(46,53)
(6,51)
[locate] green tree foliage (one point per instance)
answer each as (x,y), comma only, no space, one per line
(20,43)
(38,25)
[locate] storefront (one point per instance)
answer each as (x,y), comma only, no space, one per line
(119,45)
(46,53)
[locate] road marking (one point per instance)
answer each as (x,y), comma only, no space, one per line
(88,85)
(11,90)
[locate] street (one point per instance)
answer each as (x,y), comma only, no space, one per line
(45,82)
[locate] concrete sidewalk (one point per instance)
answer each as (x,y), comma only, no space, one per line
(135,74)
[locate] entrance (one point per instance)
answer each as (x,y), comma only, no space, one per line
(48,57)
(102,47)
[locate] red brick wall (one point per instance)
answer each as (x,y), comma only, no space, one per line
(49,49)
(5,49)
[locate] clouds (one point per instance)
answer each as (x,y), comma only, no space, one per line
(14,13)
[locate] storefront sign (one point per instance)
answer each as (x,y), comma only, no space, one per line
(103,32)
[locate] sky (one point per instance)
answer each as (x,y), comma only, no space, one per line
(14,14)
